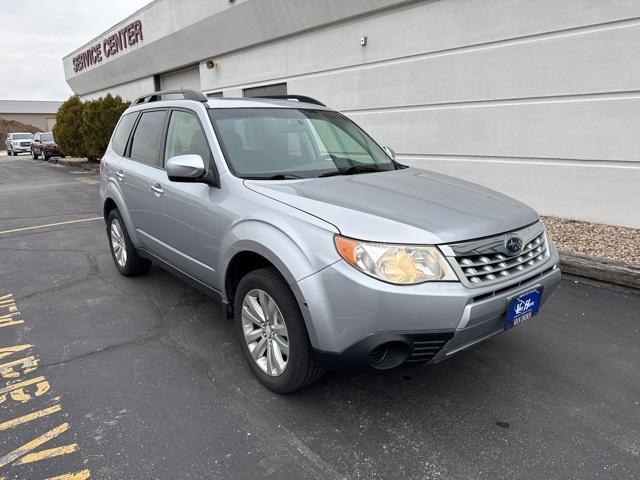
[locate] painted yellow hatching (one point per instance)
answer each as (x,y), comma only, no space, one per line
(33,444)
(16,390)
(29,364)
(4,297)
(49,453)
(83,475)
(28,418)
(7,320)
(24,383)
(6,351)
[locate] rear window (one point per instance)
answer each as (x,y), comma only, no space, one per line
(121,135)
(147,137)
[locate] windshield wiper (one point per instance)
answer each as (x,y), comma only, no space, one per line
(276,176)
(353,170)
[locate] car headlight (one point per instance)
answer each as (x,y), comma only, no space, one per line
(398,264)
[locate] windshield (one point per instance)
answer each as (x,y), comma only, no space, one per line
(292,143)
(21,136)
(46,137)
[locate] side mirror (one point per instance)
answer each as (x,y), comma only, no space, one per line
(185,168)
(390,152)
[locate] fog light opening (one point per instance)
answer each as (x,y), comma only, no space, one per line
(388,355)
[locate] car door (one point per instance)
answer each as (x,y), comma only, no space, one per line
(183,219)
(137,166)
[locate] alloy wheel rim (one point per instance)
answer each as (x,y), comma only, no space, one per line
(265,332)
(118,244)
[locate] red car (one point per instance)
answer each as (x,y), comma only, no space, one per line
(44,144)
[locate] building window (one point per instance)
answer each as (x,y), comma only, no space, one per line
(215,95)
(265,91)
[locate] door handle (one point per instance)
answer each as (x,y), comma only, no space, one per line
(157,189)
(120,174)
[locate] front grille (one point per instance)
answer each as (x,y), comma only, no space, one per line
(489,267)
(426,346)
(25,144)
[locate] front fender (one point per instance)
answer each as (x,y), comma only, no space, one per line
(297,250)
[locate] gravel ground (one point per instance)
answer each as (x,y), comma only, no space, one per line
(616,243)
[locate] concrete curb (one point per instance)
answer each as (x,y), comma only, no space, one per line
(600,269)
(83,164)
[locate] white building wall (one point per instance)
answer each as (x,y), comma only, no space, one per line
(128,91)
(540,100)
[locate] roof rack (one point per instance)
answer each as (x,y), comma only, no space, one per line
(157,96)
(300,98)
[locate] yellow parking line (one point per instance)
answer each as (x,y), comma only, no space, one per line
(33,444)
(27,418)
(24,229)
(49,453)
(83,475)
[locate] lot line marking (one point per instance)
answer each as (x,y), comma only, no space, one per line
(33,444)
(83,475)
(49,453)
(24,229)
(26,383)
(27,418)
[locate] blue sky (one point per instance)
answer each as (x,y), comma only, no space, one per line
(36,34)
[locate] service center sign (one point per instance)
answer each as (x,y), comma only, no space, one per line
(112,45)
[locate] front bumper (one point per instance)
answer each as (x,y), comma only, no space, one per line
(20,149)
(349,315)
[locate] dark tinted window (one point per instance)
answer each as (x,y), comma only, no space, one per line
(146,139)
(119,142)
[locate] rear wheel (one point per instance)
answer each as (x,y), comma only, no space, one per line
(34,155)
(124,254)
(272,333)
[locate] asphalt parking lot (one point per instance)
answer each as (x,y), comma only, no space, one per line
(142,378)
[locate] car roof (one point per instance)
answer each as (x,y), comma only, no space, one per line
(221,102)
(228,102)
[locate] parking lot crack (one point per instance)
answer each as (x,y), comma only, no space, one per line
(141,339)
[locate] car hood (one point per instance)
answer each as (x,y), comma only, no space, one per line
(402,206)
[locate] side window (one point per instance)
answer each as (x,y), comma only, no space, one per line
(146,138)
(121,135)
(185,137)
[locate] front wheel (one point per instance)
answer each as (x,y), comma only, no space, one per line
(272,333)
(124,254)
(34,155)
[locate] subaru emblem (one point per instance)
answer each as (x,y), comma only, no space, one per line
(513,245)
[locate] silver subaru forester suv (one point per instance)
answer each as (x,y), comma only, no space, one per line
(325,250)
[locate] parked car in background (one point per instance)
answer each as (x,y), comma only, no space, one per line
(327,252)
(18,143)
(44,144)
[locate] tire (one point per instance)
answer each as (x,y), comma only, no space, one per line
(45,157)
(127,260)
(301,367)
(33,154)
